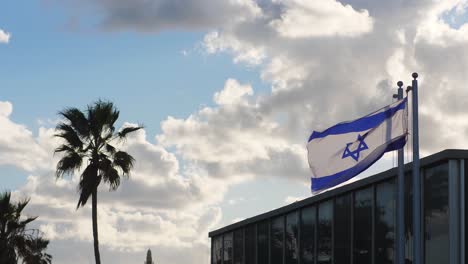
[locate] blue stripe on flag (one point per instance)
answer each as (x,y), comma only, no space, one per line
(342,176)
(360,124)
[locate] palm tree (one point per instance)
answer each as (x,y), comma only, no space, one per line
(88,138)
(16,241)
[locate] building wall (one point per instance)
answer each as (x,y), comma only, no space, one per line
(357,227)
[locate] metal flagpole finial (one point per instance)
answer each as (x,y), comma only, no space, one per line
(400,83)
(415,75)
(408,89)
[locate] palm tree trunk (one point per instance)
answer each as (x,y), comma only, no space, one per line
(95,227)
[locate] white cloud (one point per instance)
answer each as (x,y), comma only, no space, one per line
(326,18)
(233,93)
(160,15)
(329,62)
(215,42)
(19,147)
(161,206)
(4,36)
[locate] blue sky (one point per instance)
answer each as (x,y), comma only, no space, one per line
(47,67)
(146,75)
(228,92)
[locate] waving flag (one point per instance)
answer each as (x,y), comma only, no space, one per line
(342,151)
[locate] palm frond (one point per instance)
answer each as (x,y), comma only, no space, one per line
(21,205)
(17,243)
(65,148)
(112,177)
(69,134)
(127,130)
(124,161)
(110,149)
(68,164)
(102,116)
(77,120)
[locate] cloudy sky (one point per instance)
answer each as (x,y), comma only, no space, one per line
(228,92)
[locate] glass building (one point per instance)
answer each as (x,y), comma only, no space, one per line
(357,223)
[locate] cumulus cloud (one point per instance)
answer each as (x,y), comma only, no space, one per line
(162,206)
(18,145)
(325,63)
(4,36)
(303,19)
(159,15)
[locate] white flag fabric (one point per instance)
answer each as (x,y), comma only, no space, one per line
(342,151)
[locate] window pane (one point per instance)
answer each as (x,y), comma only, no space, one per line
(239,246)
(277,231)
(409,217)
(292,251)
(217,249)
(466,203)
(228,248)
(342,250)
(250,244)
(363,226)
(324,238)
(436,214)
(308,218)
(262,242)
(385,223)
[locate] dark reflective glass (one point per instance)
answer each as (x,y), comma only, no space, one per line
(436,214)
(277,233)
(228,239)
(466,202)
(262,242)
(363,226)
(239,246)
(342,232)
(408,217)
(292,250)
(324,238)
(385,213)
(250,234)
(217,250)
(308,219)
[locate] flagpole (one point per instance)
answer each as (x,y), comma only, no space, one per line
(401,195)
(417,247)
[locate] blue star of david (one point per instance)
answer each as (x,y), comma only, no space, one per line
(355,154)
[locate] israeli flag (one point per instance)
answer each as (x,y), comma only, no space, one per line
(342,151)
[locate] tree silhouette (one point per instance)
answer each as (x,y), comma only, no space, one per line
(17,242)
(88,138)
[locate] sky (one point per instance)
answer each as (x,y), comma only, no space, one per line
(228,92)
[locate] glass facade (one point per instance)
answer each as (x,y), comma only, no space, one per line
(436,214)
(385,217)
(217,250)
(342,241)
(308,223)
(227,241)
(291,243)
(277,240)
(324,233)
(408,218)
(262,243)
(250,244)
(239,246)
(357,226)
(362,250)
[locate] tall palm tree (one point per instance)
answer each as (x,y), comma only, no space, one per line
(89,138)
(16,240)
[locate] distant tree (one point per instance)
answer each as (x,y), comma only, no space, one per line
(149,257)
(17,242)
(88,138)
